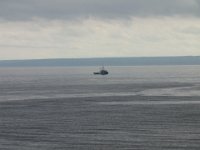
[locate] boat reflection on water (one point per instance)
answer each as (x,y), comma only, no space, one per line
(102,71)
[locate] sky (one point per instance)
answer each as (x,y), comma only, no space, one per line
(35,29)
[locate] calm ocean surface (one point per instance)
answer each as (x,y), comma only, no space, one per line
(59,108)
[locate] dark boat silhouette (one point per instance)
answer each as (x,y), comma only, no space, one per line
(101,72)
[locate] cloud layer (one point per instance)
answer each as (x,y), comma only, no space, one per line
(169,36)
(66,9)
(93,28)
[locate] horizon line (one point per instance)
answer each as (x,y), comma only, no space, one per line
(72,58)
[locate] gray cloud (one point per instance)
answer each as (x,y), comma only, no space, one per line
(66,9)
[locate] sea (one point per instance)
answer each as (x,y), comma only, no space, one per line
(69,108)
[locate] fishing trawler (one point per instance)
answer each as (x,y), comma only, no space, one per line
(102,71)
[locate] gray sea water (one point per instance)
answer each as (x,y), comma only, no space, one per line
(59,108)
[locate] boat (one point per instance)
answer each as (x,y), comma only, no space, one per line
(102,71)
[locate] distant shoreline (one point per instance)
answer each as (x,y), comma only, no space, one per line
(115,61)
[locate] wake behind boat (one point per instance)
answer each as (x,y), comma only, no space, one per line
(102,71)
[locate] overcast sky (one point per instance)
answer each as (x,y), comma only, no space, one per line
(31,29)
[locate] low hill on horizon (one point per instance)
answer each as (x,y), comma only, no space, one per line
(121,61)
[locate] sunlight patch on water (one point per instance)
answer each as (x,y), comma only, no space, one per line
(55,96)
(177,91)
(149,103)
(174,92)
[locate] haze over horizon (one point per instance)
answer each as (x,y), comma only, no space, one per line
(43,29)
